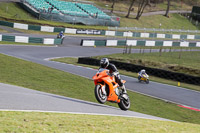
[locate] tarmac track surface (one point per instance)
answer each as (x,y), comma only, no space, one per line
(19,98)
(71,48)
(38,54)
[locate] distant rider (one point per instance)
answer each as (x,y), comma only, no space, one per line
(61,34)
(104,63)
(141,73)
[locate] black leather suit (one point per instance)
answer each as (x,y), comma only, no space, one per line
(113,70)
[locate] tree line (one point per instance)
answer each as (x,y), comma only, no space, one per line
(142,4)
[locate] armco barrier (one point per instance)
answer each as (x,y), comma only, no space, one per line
(24,39)
(151,71)
(98,32)
(139,43)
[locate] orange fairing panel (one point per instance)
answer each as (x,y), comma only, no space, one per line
(112,96)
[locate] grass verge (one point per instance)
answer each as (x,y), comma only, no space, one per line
(158,47)
(34,76)
(56,122)
(2,30)
(74,61)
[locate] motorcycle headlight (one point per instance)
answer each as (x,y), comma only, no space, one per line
(117,91)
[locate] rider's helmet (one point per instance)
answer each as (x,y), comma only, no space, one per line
(61,32)
(104,62)
(143,71)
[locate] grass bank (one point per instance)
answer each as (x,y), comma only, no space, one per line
(56,122)
(175,21)
(123,6)
(34,76)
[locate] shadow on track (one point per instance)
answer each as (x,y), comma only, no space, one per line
(79,101)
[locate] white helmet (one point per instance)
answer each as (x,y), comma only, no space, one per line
(143,71)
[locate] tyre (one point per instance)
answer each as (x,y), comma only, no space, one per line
(101,98)
(147,81)
(139,79)
(124,102)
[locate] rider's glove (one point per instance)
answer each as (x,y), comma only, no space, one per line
(115,73)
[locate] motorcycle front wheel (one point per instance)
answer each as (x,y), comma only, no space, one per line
(139,79)
(147,81)
(124,103)
(101,98)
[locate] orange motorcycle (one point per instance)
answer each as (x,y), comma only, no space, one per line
(107,89)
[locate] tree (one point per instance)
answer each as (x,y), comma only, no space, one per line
(149,2)
(167,11)
(129,10)
(113,4)
(141,6)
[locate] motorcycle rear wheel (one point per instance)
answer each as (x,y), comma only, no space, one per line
(101,98)
(124,103)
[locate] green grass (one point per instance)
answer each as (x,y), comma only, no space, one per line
(56,122)
(175,21)
(175,5)
(156,47)
(2,30)
(34,76)
(13,10)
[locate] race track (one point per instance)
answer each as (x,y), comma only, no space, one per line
(71,48)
